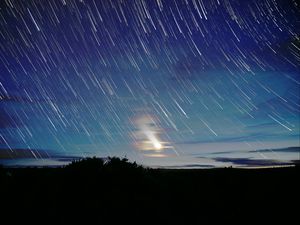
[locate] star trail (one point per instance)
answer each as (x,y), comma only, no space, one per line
(164,83)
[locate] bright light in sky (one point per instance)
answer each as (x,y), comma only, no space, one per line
(148,134)
(157,145)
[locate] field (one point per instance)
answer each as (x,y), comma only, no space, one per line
(133,195)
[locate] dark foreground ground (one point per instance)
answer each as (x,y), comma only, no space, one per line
(128,194)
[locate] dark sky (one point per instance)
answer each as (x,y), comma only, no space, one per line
(183,83)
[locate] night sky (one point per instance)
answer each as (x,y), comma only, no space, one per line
(183,83)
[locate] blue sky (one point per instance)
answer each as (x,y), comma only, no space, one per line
(164,83)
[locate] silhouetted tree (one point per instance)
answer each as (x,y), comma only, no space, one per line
(119,163)
(110,164)
(86,164)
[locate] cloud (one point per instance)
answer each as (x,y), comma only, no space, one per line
(21,153)
(248,137)
(33,157)
(288,49)
(286,150)
(186,166)
(290,149)
(8,120)
(248,162)
(17,99)
(66,158)
(24,153)
(23,99)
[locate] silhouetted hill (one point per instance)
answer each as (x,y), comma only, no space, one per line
(105,191)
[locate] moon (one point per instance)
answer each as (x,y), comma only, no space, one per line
(157,145)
